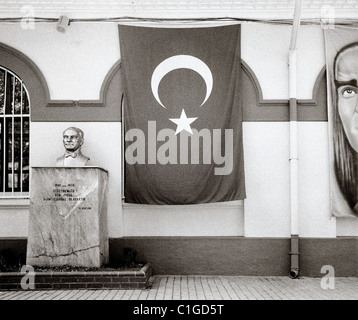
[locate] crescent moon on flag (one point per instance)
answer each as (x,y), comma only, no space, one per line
(181,62)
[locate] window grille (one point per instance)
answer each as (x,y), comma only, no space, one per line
(14,135)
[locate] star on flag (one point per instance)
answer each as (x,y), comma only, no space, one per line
(183,123)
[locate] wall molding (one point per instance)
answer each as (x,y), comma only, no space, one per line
(256,108)
(260,101)
(277,108)
(101,102)
(43,109)
(14,203)
(108,107)
(313,102)
(9,51)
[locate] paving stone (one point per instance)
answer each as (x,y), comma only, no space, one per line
(174,287)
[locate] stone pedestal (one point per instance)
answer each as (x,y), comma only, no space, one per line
(68,217)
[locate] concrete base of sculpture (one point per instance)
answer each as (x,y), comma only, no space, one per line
(68,217)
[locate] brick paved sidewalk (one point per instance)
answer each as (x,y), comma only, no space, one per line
(207,288)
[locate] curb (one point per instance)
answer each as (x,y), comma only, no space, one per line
(79,280)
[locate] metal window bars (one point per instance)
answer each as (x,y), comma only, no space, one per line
(14,136)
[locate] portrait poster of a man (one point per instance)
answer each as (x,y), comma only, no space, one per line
(342,86)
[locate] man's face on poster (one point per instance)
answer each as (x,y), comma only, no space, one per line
(346,79)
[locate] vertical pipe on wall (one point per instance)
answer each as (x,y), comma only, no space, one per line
(4,170)
(292,65)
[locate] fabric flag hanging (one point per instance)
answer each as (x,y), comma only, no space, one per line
(342,75)
(182,114)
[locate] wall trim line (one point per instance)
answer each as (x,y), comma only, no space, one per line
(101,102)
(33,67)
(275,110)
(261,102)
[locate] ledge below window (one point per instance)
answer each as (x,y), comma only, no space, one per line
(213,205)
(14,203)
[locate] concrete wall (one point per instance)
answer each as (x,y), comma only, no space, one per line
(75,65)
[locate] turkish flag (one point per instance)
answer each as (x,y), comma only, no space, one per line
(182,114)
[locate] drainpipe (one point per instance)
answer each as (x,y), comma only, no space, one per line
(294,253)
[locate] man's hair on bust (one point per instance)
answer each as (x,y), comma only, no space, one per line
(78,130)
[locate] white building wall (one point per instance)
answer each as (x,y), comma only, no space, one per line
(14,218)
(315,219)
(265,49)
(267,206)
(213,219)
(347,227)
(75,64)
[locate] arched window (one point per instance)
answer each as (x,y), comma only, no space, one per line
(14,135)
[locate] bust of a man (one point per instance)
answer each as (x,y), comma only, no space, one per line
(73,139)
